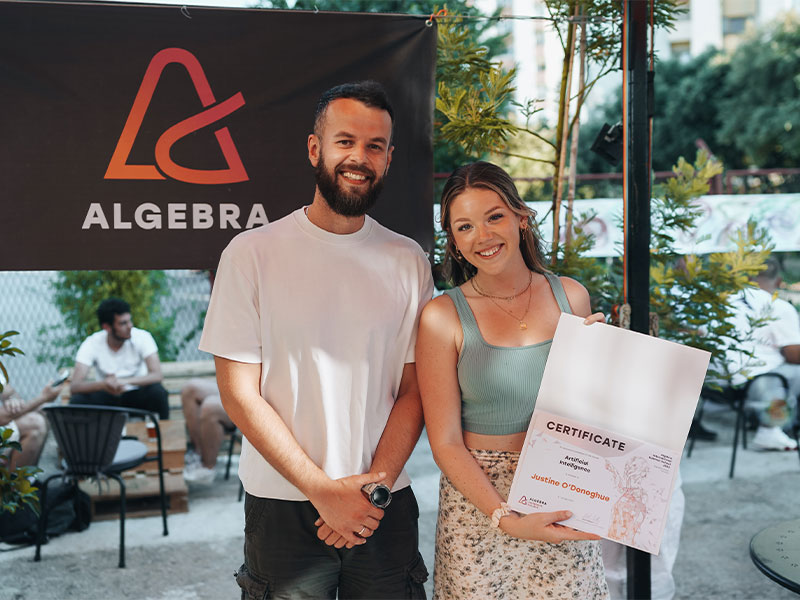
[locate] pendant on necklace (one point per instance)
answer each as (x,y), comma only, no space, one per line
(523,325)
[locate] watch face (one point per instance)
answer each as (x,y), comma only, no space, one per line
(378,494)
(381,496)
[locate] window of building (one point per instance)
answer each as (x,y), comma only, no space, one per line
(733,25)
(680,49)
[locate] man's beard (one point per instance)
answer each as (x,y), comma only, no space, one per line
(116,337)
(347,204)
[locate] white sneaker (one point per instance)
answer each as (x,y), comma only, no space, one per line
(191,458)
(772,438)
(199,474)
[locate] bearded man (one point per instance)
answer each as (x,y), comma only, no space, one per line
(126,363)
(312,322)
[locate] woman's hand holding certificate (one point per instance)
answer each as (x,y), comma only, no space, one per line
(544,527)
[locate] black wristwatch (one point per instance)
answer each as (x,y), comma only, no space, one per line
(378,494)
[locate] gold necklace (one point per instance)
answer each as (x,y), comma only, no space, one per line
(522,324)
(478,289)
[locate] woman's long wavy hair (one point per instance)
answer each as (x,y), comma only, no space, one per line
(487,176)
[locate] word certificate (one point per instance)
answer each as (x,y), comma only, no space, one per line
(615,486)
(610,421)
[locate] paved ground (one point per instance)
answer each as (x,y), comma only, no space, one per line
(198,558)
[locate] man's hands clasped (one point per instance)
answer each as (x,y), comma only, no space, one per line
(346,517)
(113,386)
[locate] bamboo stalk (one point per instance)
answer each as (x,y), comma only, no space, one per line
(561,135)
(576,128)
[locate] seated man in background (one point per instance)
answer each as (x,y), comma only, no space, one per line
(775,348)
(206,422)
(126,361)
(29,425)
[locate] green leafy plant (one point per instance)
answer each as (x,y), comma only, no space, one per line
(689,293)
(16,488)
(77,296)
(742,102)
(7,349)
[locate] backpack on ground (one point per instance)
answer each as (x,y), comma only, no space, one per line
(69,508)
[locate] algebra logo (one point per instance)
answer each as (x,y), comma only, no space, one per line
(119,168)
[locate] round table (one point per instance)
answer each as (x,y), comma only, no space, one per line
(776,552)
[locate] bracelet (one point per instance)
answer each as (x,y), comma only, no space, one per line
(499,513)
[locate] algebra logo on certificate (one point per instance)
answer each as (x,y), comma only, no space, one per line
(616,487)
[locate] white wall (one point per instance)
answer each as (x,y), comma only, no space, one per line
(706,25)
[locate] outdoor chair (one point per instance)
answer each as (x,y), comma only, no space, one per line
(91,443)
(234,437)
(735,396)
(147,415)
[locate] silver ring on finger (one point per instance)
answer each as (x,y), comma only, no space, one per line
(362,530)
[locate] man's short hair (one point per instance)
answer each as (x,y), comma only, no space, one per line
(772,269)
(367,92)
(109,308)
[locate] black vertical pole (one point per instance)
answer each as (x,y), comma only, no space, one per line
(637,221)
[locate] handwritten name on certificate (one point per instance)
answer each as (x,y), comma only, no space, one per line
(615,486)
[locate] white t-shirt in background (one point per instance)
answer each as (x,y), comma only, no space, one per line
(332,319)
(126,362)
(782,329)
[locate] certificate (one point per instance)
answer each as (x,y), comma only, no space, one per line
(615,486)
(634,393)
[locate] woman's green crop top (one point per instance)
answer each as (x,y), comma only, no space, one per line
(499,384)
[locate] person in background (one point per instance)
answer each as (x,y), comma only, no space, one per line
(206,422)
(28,424)
(126,361)
(774,347)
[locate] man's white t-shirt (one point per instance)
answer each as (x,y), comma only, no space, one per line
(783,329)
(332,319)
(126,362)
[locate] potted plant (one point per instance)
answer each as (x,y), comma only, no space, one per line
(16,488)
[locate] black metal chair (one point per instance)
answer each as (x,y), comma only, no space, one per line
(234,437)
(735,396)
(147,415)
(90,440)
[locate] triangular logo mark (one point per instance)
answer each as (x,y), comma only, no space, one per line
(118,167)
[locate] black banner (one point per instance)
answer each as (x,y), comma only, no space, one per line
(148,136)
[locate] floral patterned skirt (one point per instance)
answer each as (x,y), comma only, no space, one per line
(476,560)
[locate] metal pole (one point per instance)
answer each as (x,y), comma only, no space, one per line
(637,221)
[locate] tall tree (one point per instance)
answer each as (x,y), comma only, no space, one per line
(744,105)
(760,109)
(687,108)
